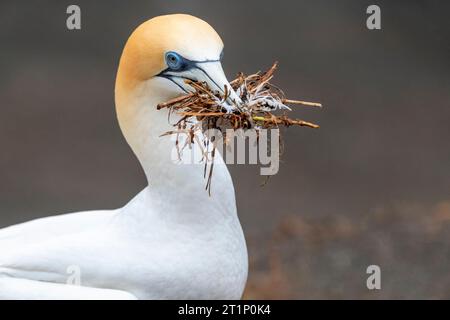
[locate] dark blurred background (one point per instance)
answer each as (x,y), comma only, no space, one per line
(372,186)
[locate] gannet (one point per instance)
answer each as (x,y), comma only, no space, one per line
(172,240)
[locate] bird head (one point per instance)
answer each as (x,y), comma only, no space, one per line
(157,59)
(168,50)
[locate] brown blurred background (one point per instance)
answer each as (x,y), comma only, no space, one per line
(372,186)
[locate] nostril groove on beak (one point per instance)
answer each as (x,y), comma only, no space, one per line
(211,79)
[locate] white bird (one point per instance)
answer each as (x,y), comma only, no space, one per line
(173,240)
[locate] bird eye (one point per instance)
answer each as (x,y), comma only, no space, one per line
(174,61)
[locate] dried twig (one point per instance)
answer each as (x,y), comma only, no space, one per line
(259,99)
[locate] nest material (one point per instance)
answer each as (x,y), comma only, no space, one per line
(213,110)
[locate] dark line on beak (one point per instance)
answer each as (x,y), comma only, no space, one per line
(170,78)
(212,80)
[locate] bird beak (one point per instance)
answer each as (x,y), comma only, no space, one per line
(212,73)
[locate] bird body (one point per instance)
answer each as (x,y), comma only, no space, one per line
(173,240)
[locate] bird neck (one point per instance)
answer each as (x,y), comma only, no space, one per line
(170,179)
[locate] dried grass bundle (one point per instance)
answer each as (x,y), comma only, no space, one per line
(213,110)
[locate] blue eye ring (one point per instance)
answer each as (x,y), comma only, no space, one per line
(174,61)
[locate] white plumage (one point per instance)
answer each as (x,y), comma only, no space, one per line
(173,240)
